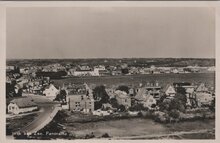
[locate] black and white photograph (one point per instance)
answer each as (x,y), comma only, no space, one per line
(110,73)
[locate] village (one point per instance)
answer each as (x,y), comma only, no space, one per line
(171,102)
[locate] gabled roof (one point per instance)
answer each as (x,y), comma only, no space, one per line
(201,88)
(142,96)
(50,85)
(167,87)
(139,95)
(23,102)
(121,94)
(78,98)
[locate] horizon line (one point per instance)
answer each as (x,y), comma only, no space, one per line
(107,58)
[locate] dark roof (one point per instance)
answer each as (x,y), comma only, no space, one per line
(24,102)
(179,84)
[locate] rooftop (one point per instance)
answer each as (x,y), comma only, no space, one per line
(24,102)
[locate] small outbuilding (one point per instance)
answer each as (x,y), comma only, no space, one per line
(21,105)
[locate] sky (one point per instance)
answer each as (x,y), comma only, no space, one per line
(109,32)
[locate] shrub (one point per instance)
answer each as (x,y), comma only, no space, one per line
(105,135)
(174,114)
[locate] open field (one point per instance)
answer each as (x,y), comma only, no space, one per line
(138,62)
(19,122)
(145,128)
(163,79)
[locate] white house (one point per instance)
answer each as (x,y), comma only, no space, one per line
(51,91)
(21,105)
(203,98)
(145,99)
(202,88)
(98,69)
(169,91)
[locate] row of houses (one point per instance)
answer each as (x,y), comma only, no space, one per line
(150,95)
(87,71)
(101,70)
(79,97)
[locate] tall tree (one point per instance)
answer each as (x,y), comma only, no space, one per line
(123,88)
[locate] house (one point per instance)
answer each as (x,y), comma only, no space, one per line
(202,88)
(154,90)
(101,113)
(190,89)
(107,106)
(180,84)
(203,96)
(203,99)
(175,70)
(123,99)
(169,91)
(21,105)
(189,92)
(51,91)
(84,103)
(79,98)
(83,72)
(99,70)
(145,98)
(116,72)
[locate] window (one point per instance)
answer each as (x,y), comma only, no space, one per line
(77,104)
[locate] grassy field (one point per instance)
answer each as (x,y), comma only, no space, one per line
(19,122)
(163,79)
(143,127)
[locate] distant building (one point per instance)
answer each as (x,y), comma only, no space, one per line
(84,103)
(175,71)
(202,88)
(79,98)
(123,99)
(107,106)
(203,96)
(100,71)
(203,99)
(153,89)
(190,95)
(145,99)
(169,91)
(189,92)
(51,91)
(21,105)
(116,72)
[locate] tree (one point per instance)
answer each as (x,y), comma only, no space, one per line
(181,95)
(97,105)
(125,71)
(162,98)
(114,102)
(99,94)
(121,108)
(123,88)
(137,107)
(61,96)
(177,104)
(174,114)
(212,106)
(165,105)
